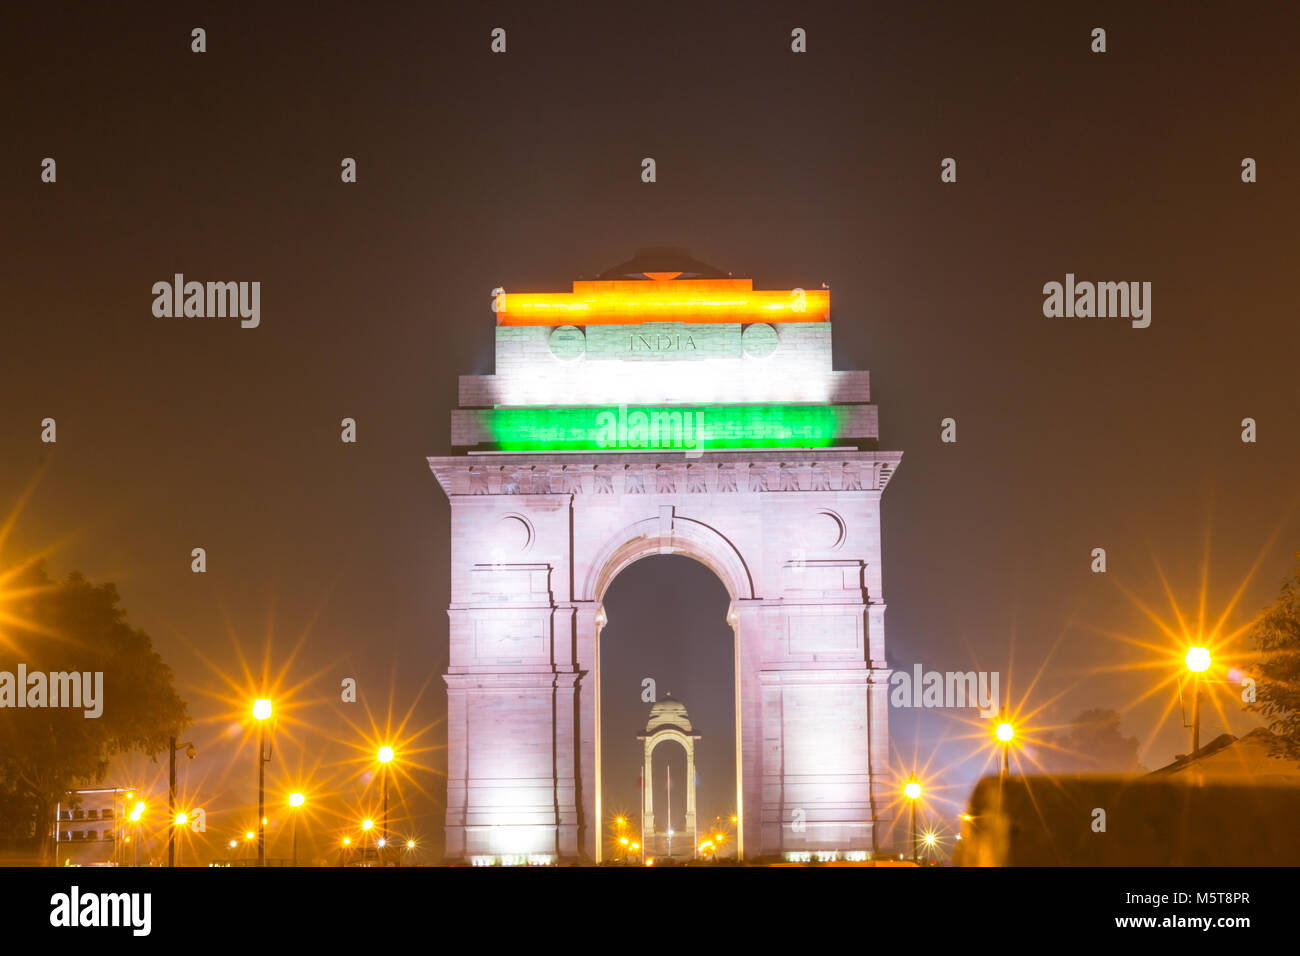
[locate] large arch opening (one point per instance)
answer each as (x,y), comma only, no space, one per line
(667,635)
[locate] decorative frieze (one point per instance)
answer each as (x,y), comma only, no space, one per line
(726,474)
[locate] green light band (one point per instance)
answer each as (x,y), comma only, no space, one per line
(664,427)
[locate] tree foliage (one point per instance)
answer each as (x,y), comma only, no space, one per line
(1092,744)
(67,626)
(1276,636)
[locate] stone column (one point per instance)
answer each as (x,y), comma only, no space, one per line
(584,743)
(691,828)
(745,618)
(647,798)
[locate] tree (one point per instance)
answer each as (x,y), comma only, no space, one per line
(45,751)
(1093,744)
(1276,636)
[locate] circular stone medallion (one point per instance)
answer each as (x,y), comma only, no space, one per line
(568,343)
(758,340)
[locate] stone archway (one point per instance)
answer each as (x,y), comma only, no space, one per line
(668,721)
(528,572)
(564,487)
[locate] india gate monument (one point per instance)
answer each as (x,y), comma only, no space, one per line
(665,407)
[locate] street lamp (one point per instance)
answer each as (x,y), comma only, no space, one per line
(1005,733)
(179,820)
(136,813)
(1198,662)
(262,713)
(385,757)
(190,752)
(912,790)
(296,800)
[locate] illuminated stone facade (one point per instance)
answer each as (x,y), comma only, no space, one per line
(789,521)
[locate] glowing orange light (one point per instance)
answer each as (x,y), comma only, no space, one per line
(628,302)
(1197,660)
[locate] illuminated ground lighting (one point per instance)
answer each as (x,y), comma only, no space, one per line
(665,299)
(1198,659)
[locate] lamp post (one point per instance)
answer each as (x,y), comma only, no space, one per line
(1198,662)
(385,757)
(262,713)
(171,793)
(136,814)
(296,800)
(179,820)
(912,790)
(1005,732)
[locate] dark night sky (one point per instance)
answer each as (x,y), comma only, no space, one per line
(523,170)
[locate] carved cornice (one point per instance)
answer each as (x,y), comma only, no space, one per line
(666,473)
